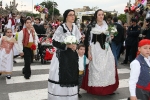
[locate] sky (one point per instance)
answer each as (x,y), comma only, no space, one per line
(63,5)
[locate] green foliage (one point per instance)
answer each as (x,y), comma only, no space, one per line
(49,6)
(34,15)
(123,18)
(56,11)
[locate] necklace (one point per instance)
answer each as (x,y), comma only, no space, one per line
(69,29)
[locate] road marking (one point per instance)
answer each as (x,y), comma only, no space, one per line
(33,67)
(123,83)
(39,94)
(33,78)
(123,71)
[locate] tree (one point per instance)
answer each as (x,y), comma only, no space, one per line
(32,14)
(56,12)
(123,18)
(49,5)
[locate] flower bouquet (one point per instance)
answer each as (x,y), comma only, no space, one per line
(33,47)
(112,30)
(70,40)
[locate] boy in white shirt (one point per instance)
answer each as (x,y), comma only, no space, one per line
(82,64)
(139,82)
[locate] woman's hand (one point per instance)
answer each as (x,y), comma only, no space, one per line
(72,46)
(133,98)
(112,36)
(69,46)
(89,56)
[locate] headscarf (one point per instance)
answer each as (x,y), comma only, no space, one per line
(66,14)
(144,42)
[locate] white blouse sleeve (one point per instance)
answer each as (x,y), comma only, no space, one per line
(20,39)
(0,41)
(58,35)
(17,47)
(91,36)
(78,34)
(9,24)
(87,60)
(134,75)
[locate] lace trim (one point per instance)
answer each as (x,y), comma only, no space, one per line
(102,67)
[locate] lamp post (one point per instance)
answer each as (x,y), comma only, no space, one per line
(127,14)
(53,12)
(32,8)
(22,5)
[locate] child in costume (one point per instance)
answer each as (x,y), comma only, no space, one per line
(82,64)
(6,53)
(139,82)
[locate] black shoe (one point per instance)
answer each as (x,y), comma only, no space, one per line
(112,94)
(79,95)
(0,74)
(15,61)
(124,63)
(26,77)
(8,77)
(23,71)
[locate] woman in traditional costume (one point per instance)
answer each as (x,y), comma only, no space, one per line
(101,77)
(63,74)
(6,53)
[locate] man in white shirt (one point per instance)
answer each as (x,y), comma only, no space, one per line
(12,22)
(26,39)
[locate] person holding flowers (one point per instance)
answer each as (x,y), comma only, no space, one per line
(64,68)
(117,38)
(101,77)
(27,43)
(131,42)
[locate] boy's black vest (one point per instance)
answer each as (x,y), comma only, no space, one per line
(144,77)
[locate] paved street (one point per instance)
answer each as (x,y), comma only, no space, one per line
(18,88)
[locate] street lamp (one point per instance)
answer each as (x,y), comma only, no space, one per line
(53,11)
(32,7)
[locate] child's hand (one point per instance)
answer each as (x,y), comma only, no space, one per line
(133,98)
(21,54)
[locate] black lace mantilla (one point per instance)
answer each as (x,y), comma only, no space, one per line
(68,68)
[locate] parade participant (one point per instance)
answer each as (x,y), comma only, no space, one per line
(146,31)
(101,77)
(6,53)
(27,41)
(39,28)
(64,72)
(12,22)
(139,82)
(15,34)
(82,65)
(131,41)
(117,40)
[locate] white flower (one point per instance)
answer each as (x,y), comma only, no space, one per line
(70,40)
(113,30)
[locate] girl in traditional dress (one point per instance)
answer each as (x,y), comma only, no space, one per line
(6,53)
(101,77)
(64,72)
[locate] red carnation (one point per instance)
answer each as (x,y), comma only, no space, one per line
(33,47)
